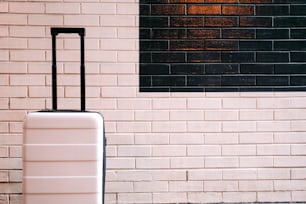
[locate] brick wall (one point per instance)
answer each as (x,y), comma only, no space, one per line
(228,45)
(163,147)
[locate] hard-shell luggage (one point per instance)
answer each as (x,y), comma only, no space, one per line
(64,150)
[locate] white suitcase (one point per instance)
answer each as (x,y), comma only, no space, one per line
(64,151)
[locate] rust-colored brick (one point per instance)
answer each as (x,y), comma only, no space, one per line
(221,21)
(204,9)
(237,10)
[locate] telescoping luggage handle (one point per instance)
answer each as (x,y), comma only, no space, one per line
(54,33)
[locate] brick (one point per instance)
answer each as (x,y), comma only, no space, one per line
(169,175)
(118,21)
(11,188)
(97,103)
(169,103)
(118,92)
(273,103)
(255,138)
(127,33)
(15,151)
(4,103)
(134,197)
(120,115)
(198,197)
(151,186)
(128,56)
(4,7)
(204,174)
(237,10)
(4,177)
(4,151)
(221,162)
(256,162)
(39,43)
(170,9)
(10,163)
(185,186)
(11,43)
(220,186)
(4,55)
(134,127)
(186,138)
(118,44)
(134,151)
(169,150)
(187,115)
(15,176)
(298,196)
(289,185)
(221,21)
(27,55)
(119,187)
(273,196)
(148,115)
(4,127)
(241,103)
(221,138)
(129,175)
(4,80)
(152,163)
(4,31)
(10,115)
(17,80)
(4,199)
(13,19)
(204,126)
(273,173)
(27,103)
(203,150)
(187,162)
(11,139)
(256,115)
(239,126)
(298,173)
(273,126)
(289,161)
(151,138)
(120,163)
(128,8)
(134,104)
(170,197)
(204,9)
(25,7)
(238,150)
(239,197)
(273,149)
(169,126)
(37,19)
(27,31)
(85,20)
(63,8)
(221,115)
(256,185)
(11,91)
(127,80)
(196,103)
(239,174)
(16,127)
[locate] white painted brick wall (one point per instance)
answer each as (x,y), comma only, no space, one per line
(162,147)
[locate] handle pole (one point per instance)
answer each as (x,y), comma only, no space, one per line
(54,33)
(54,72)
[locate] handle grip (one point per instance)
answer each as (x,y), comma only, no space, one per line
(54,33)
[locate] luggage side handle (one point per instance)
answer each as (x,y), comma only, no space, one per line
(54,33)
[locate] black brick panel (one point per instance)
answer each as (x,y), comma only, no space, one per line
(197,45)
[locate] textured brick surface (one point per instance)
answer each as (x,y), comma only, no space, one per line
(251,45)
(163,147)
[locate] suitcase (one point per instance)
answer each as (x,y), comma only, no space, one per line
(64,150)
